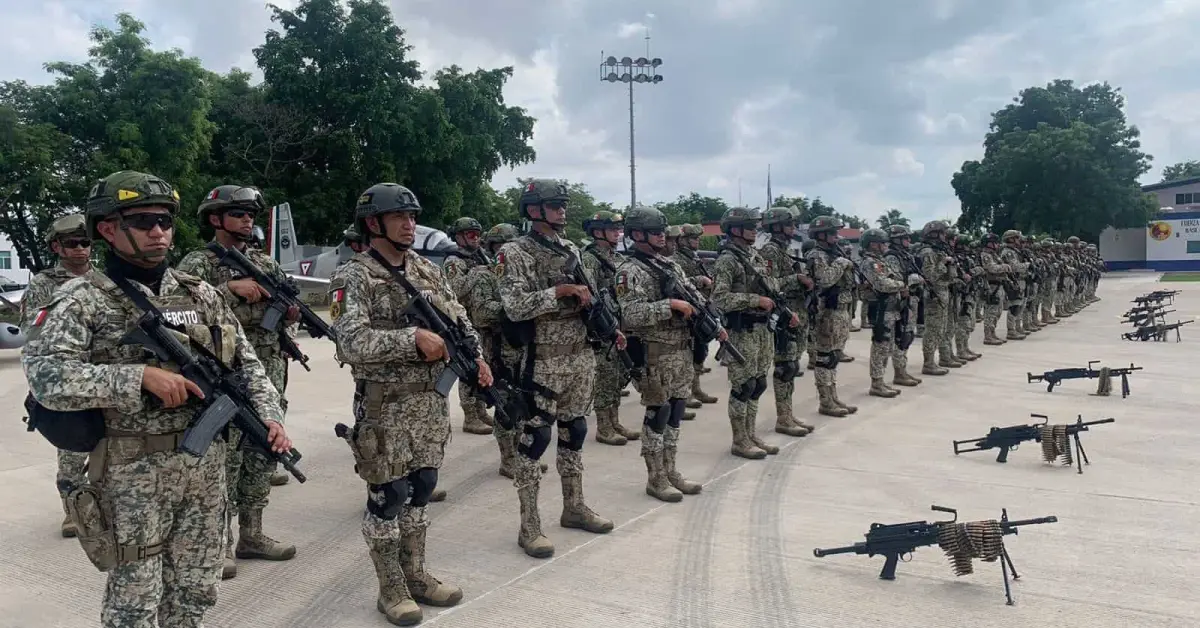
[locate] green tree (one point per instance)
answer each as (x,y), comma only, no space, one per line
(32,192)
(581,206)
(892,217)
(1181,170)
(1061,160)
(816,207)
(693,208)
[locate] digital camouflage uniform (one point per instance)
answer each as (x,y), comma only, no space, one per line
(739,278)
(998,285)
(1016,303)
(248,473)
(938,271)
(786,270)
(72,465)
(402,424)
(833,274)
(1049,286)
(456,268)
(900,260)
(601,261)
(530,271)
(886,298)
(966,299)
(666,344)
(687,259)
(1030,322)
(164,508)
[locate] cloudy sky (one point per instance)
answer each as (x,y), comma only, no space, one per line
(871,105)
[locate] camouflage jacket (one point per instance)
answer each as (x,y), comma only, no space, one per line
(456,267)
(374,335)
(936,269)
(40,291)
(601,264)
(1012,257)
(738,277)
(203,263)
(786,271)
(828,271)
(692,266)
(529,273)
(646,311)
(883,279)
(74,359)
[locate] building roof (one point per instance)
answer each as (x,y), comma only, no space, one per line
(1166,185)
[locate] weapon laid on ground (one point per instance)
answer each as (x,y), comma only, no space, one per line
(961,542)
(1156,332)
(1158,296)
(1054,439)
(226,398)
(1148,317)
(1105,375)
(281,297)
(705,322)
(1142,309)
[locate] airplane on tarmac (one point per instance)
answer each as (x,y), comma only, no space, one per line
(11,294)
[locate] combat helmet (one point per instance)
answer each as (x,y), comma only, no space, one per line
(740,218)
(75,224)
(808,245)
(127,189)
(674,231)
(645,219)
(932,227)
(990,238)
(1073,240)
(1010,234)
(225,197)
(539,191)
(463,224)
(501,233)
(825,224)
(898,232)
(384,198)
(871,236)
(783,216)
(604,220)
(692,231)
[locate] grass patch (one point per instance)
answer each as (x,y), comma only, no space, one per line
(1183,276)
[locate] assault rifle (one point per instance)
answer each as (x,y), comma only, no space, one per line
(1055,377)
(1158,296)
(961,542)
(705,322)
(1052,437)
(226,397)
(282,296)
(1142,309)
(1147,317)
(601,315)
(462,351)
(1156,331)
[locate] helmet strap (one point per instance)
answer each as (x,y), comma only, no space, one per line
(138,253)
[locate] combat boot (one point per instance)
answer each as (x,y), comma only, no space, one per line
(229,566)
(507,443)
(742,446)
(838,402)
(425,588)
(990,338)
(693,403)
(786,424)
(280,478)
(626,432)
(68,526)
(472,422)
(698,393)
(758,442)
(842,357)
(949,361)
(902,378)
(879,389)
(1048,318)
(252,543)
(605,431)
(827,406)
(530,537)
(657,484)
(439,495)
(394,600)
(575,513)
(930,367)
(681,484)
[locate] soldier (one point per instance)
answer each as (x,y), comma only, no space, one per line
(1029,320)
(900,260)
(1049,286)
(740,282)
(229,211)
(546,309)
(964,309)
(600,259)
(466,233)
(660,324)
(686,257)
(886,298)
(794,284)
(810,340)
(402,424)
(1016,303)
(151,516)
(833,273)
(69,241)
(670,246)
(937,267)
(998,287)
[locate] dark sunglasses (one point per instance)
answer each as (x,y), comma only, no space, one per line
(147,222)
(555,204)
(240,213)
(82,243)
(654,232)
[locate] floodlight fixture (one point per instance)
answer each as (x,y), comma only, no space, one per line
(628,70)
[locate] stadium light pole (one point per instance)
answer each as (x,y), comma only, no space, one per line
(630,71)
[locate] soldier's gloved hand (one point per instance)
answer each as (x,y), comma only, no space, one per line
(430,345)
(293,314)
(795,322)
(248,289)
(723,336)
(171,388)
(278,437)
(485,373)
(684,308)
(765,303)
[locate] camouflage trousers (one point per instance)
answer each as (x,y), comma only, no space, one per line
(1033,305)
(173,499)
(1064,299)
(610,380)
(831,331)
(757,345)
(1016,309)
(883,344)
(72,471)
(248,473)
(993,304)
(938,329)
(789,360)
(572,381)
(1046,296)
(965,323)
(668,377)
(900,355)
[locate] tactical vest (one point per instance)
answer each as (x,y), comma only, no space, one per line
(250,315)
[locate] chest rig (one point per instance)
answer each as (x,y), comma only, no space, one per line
(248,314)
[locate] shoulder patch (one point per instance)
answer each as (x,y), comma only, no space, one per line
(621,285)
(878,266)
(498,267)
(41,317)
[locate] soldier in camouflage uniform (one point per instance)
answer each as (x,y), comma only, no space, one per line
(790,275)
(229,211)
(151,516)
(670,246)
(546,310)
(69,241)
(937,267)
(996,290)
(665,343)
(686,256)
(402,424)
(810,340)
(901,261)
(886,298)
(1049,285)
(833,273)
(966,300)
(1016,303)
(740,279)
(466,233)
(600,258)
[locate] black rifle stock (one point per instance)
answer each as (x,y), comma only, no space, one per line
(282,296)
(225,398)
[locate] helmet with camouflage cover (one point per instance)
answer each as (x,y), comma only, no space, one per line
(1011,234)
(1073,240)
(501,233)
(951,233)
(933,227)
(464,224)
(898,232)
(674,231)
(825,224)
(783,216)
(990,238)
(605,220)
(538,191)
(226,197)
(740,218)
(692,231)
(872,236)
(127,189)
(808,245)
(73,225)
(645,219)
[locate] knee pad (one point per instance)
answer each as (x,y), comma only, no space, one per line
(786,371)
(386,501)
(827,359)
(656,417)
(534,441)
(677,407)
(760,387)
(422,482)
(576,433)
(742,393)
(880,333)
(1014,309)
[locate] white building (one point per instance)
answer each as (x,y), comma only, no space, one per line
(10,263)
(1169,242)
